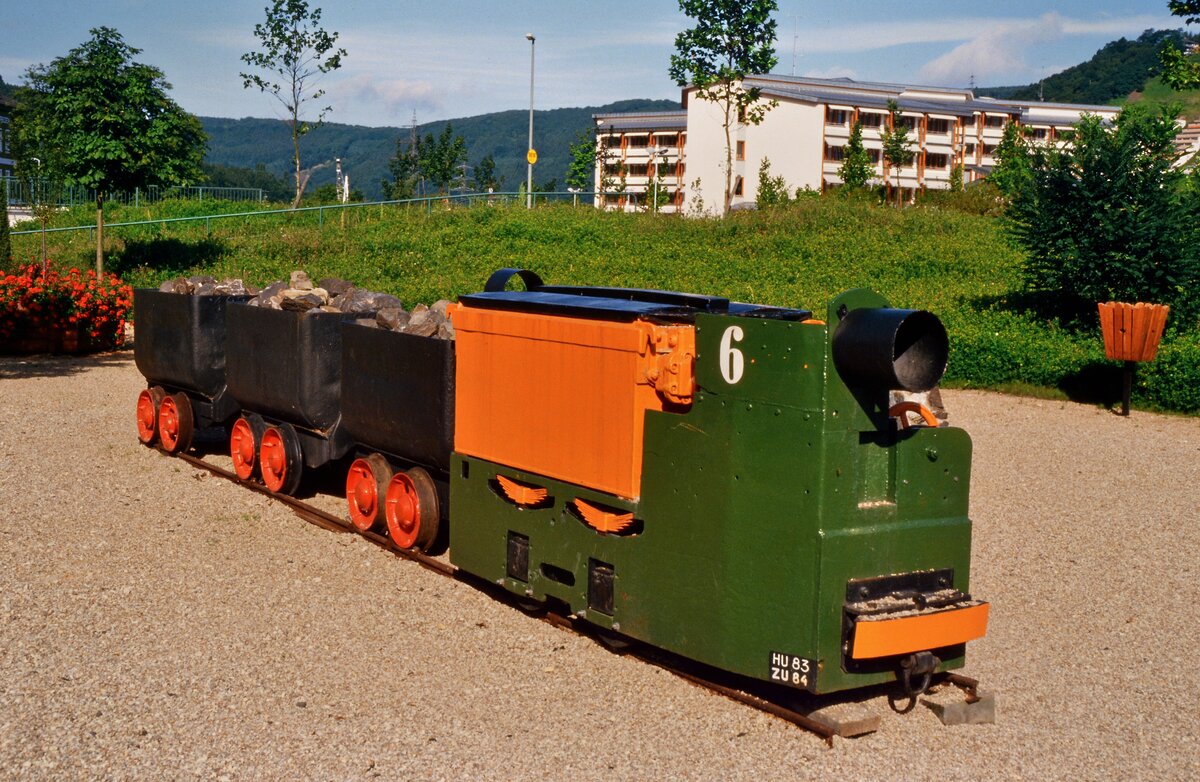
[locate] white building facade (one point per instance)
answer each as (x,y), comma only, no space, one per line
(804,137)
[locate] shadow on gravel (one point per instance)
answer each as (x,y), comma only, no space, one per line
(1097,383)
(26,367)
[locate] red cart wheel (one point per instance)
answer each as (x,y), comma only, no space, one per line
(411,509)
(175,423)
(147,414)
(280,459)
(366,486)
(244,440)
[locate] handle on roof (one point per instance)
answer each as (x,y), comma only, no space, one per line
(499,280)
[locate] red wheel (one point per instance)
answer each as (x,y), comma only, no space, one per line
(147,414)
(366,486)
(411,509)
(280,459)
(244,440)
(175,423)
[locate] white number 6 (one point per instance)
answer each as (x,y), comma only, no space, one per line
(733,364)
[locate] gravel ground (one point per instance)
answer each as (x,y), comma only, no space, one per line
(159,623)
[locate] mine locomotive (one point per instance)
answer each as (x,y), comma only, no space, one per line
(725,481)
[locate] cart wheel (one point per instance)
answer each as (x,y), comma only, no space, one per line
(411,509)
(147,414)
(175,423)
(366,487)
(280,459)
(245,438)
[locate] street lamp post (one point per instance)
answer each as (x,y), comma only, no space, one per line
(529,156)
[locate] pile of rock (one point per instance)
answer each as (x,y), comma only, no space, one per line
(203,285)
(377,310)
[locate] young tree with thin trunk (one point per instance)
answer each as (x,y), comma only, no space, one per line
(731,40)
(297,51)
(581,171)
(897,149)
(98,119)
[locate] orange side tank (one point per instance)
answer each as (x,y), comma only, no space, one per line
(565,397)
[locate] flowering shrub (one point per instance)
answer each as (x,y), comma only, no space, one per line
(35,301)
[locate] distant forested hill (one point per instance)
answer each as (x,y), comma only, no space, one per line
(1119,68)
(365,151)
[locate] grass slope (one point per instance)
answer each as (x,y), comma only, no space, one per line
(959,265)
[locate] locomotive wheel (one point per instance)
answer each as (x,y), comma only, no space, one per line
(280,459)
(902,409)
(245,438)
(366,487)
(147,414)
(411,509)
(175,423)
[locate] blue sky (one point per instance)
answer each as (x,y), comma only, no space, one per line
(458,58)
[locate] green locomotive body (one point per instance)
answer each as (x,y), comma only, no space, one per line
(786,528)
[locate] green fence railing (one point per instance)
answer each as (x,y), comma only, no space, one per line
(23,192)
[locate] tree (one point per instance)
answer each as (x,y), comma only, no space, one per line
(772,190)
(897,150)
(1109,217)
(857,168)
(441,157)
(485,174)
(98,119)
(5,239)
(299,51)
(405,168)
(1179,71)
(731,40)
(581,172)
(1013,169)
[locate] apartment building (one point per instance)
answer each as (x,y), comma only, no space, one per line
(804,138)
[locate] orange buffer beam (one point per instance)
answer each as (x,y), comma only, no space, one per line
(919,632)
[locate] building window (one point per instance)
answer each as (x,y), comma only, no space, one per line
(871,119)
(988,150)
(741,150)
(935,160)
(636,169)
(836,116)
(940,126)
(969,122)
(637,142)
(737,186)
(834,154)
(1039,134)
(994,121)
(875,156)
(666,139)
(908,122)
(969,149)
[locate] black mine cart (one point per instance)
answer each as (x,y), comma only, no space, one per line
(398,407)
(284,369)
(179,346)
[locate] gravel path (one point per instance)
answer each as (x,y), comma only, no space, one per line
(158,623)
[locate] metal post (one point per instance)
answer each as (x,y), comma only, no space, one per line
(529,178)
(1127,390)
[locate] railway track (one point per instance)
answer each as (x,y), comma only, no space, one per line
(684,669)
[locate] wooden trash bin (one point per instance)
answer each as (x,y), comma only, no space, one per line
(1131,334)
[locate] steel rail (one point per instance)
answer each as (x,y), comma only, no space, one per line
(647,653)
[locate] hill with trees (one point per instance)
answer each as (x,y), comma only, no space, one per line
(1116,70)
(365,151)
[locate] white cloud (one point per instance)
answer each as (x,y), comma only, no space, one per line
(994,52)
(397,97)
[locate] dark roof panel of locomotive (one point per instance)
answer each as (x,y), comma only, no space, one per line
(621,304)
